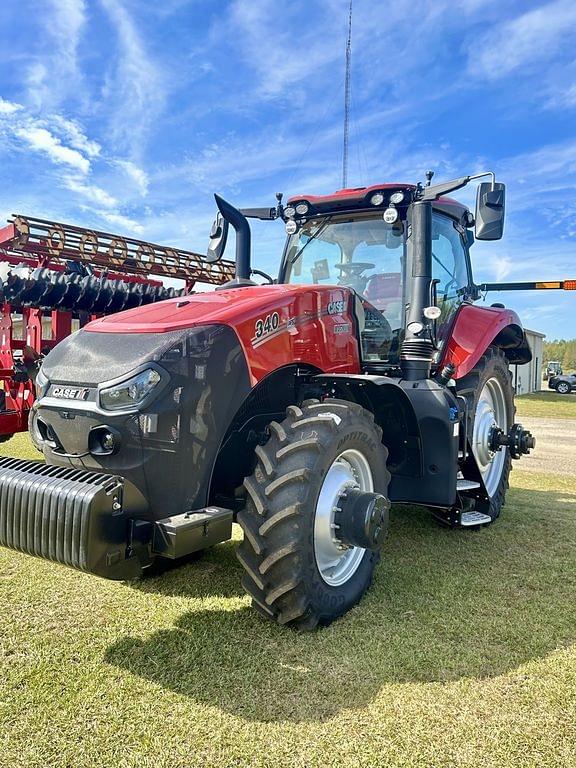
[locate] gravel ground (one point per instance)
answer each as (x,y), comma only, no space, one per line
(555,450)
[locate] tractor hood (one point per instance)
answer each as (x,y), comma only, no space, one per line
(229,307)
(276,325)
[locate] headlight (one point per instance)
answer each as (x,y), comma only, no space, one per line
(377,198)
(302,209)
(290,211)
(396,197)
(129,393)
(41,383)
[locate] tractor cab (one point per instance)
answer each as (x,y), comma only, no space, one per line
(359,238)
(358,250)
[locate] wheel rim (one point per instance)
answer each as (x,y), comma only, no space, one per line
(491,412)
(336,562)
(562,388)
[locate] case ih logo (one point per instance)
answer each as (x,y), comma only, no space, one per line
(336,307)
(71,393)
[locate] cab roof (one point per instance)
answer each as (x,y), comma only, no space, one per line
(359,198)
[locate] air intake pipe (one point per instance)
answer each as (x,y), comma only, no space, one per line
(417,348)
(243,240)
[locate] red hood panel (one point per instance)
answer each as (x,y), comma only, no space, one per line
(228,307)
(277,325)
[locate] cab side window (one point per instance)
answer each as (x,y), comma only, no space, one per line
(449,269)
(448,258)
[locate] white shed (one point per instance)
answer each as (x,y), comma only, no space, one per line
(528,377)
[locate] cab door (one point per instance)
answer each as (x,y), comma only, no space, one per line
(450,271)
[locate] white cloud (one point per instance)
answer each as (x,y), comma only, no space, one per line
(63,140)
(564,98)
(9,107)
(75,162)
(138,86)
(124,222)
(136,174)
(41,140)
(91,192)
(502,266)
(279,58)
(526,40)
(535,176)
(57,73)
(73,132)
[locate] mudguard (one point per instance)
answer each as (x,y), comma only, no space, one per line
(420,423)
(475,329)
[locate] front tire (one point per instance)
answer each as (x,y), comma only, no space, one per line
(563,388)
(296,571)
(490,399)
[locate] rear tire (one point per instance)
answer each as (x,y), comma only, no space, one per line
(318,449)
(489,385)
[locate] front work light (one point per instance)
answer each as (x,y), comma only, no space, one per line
(377,198)
(130,393)
(302,209)
(390,215)
(396,197)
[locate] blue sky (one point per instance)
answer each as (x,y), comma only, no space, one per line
(127,115)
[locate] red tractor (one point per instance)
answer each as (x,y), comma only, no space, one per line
(363,376)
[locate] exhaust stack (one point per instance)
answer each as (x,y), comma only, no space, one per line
(243,240)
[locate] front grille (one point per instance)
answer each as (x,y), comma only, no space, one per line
(70,516)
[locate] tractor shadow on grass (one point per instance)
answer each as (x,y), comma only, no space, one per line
(210,573)
(445,605)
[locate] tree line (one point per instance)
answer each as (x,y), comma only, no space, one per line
(563,350)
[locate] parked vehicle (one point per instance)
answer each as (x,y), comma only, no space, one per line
(554,368)
(563,384)
(364,376)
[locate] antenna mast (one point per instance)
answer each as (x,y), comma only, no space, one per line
(347,101)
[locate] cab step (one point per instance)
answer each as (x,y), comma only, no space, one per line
(468,519)
(466,485)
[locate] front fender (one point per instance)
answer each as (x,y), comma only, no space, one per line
(475,329)
(420,424)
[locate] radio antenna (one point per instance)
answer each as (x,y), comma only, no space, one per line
(347,101)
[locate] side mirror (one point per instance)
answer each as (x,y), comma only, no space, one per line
(490,211)
(218,238)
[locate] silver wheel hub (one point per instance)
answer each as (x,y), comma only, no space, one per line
(490,414)
(337,562)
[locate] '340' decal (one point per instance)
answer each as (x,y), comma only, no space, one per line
(266,325)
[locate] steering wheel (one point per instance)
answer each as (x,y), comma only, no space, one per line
(353,268)
(351,274)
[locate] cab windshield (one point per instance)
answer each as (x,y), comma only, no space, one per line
(365,254)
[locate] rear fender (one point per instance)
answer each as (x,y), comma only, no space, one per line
(475,329)
(420,424)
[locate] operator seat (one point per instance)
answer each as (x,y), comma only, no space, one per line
(384,292)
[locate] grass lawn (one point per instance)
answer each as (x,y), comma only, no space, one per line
(546,405)
(462,654)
